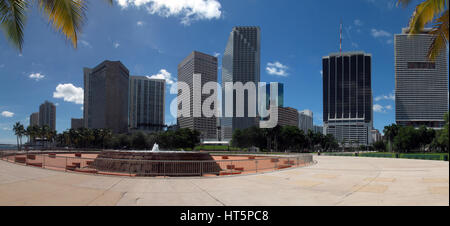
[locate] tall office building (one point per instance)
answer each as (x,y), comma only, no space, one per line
(318,129)
(421,86)
(76,123)
(106,97)
(47,115)
(34,119)
(206,65)
(241,63)
(287,116)
(147,103)
(278,100)
(347,97)
(305,120)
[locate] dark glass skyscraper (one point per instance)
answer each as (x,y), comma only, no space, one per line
(147,103)
(347,96)
(47,115)
(240,63)
(106,97)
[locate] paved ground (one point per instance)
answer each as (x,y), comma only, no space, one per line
(332,181)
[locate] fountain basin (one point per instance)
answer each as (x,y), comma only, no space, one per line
(172,163)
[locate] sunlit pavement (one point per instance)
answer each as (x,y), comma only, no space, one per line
(332,181)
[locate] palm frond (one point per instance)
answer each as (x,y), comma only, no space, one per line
(66,16)
(425,13)
(440,31)
(12,20)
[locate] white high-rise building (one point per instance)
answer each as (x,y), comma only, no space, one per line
(305,120)
(421,86)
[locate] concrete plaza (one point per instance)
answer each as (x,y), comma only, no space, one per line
(333,181)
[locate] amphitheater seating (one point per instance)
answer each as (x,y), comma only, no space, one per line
(226,173)
(78,155)
(290,162)
(85,170)
(32,157)
(20,159)
(36,164)
(283,166)
(274,160)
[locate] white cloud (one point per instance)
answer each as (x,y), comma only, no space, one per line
(216,54)
(321,73)
(188,10)
(389,41)
(163,74)
(381,109)
(36,76)
(391,96)
(380,33)
(69,93)
(378,108)
(358,22)
(116,45)
(7,114)
(85,43)
(277,69)
(140,23)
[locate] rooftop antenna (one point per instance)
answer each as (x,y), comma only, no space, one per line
(340,39)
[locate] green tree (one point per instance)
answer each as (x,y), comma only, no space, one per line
(390,132)
(407,139)
(379,146)
(19,132)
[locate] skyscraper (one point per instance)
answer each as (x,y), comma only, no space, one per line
(287,116)
(305,120)
(347,97)
(106,97)
(34,119)
(47,115)
(206,66)
(421,86)
(278,100)
(76,123)
(147,103)
(240,63)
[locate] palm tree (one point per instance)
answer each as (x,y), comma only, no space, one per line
(18,128)
(436,13)
(390,132)
(66,17)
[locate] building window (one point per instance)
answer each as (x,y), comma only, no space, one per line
(421,65)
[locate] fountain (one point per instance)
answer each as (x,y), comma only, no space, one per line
(155,148)
(157,162)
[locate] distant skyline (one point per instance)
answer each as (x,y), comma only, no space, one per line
(151,37)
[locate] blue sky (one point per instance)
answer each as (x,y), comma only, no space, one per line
(151,38)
